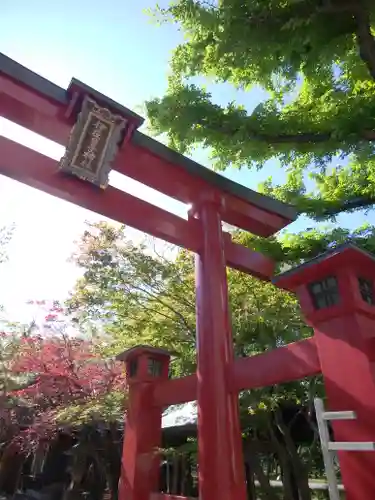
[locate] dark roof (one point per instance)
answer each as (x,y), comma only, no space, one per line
(178,435)
(125,355)
(31,79)
(101,98)
(54,92)
(217,180)
(339,249)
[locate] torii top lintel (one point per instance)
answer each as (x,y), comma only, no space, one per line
(41,106)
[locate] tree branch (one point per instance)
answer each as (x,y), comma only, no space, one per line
(353,204)
(299,137)
(365,39)
(165,304)
(309,137)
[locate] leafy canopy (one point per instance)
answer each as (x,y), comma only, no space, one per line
(316,61)
(138,296)
(142,297)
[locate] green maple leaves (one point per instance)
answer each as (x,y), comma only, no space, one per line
(320,109)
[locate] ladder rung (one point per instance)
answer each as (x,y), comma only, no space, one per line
(349,446)
(339,415)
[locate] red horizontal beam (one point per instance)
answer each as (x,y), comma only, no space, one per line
(35,112)
(44,116)
(40,172)
(285,364)
(176,391)
(248,261)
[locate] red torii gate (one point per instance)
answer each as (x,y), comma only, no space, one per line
(105,136)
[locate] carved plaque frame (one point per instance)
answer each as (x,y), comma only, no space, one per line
(93,143)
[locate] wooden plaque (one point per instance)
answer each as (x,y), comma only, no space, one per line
(93,144)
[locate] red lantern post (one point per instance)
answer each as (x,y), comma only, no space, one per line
(336,292)
(142,438)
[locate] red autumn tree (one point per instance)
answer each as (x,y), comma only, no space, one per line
(65,373)
(59,381)
(62,380)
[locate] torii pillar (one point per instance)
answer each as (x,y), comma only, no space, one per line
(336,293)
(221,465)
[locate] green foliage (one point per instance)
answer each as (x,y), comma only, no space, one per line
(9,346)
(316,62)
(136,296)
(315,59)
(8,343)
(290,249)
(106,408)
(141,297)
(133,294)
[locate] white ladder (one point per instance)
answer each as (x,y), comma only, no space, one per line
(329,447)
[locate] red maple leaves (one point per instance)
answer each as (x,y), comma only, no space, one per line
(54,371)
(65,369)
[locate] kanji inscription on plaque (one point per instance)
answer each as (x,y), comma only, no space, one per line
(93,143)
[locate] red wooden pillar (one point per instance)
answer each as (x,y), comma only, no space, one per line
(221,466)
(336,292)
(142,438)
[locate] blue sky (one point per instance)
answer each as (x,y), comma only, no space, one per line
(115,48)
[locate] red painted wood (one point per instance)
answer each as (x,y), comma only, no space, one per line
(221,469)
(40,172)
(176,391)
(143,437)
(285,364)
(245,260)
(349,383)
(174,181)
(47,118)
(219,377)
(140,461)
(345,340)
(25,107)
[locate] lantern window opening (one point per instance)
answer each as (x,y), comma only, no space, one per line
(133,368)
(154,367)
(325,293)
(366,289)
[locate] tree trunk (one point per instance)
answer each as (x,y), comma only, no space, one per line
(11,463)
(175,475)
(300,473)
(289,481)
(286,470)
(250,485)
(253,460)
